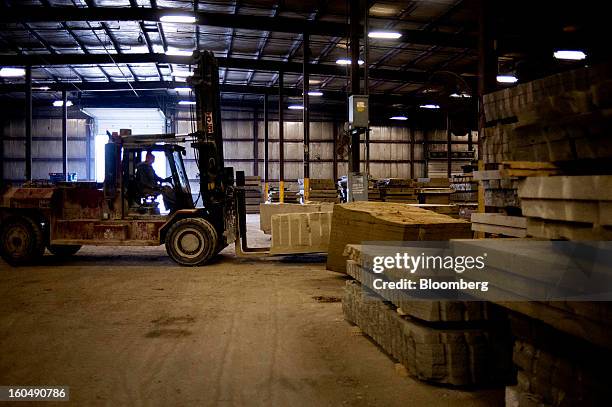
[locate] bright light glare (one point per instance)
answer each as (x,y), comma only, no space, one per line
(187,102)
(186,19)
(182,90)
(345,61)
(570,55)
(429,106)
(296,107)
(460,95)
(182,74)
(60,103)
(179,52)
(507,79)
(388,35)
(12,72)
(315,93)
(398,118)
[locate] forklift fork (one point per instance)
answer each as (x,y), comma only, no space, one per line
(241,243)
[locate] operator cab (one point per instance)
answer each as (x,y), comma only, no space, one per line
(175,189)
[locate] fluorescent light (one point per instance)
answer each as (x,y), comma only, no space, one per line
(507,79)
(315,93)
(12,72)
(570,55)
(179,52)
(388,35)
(345,61)
(44,88)
(185,18)
(296,107)
(429,106)
(398,118)
(182,90)
(60,103)
(186,102)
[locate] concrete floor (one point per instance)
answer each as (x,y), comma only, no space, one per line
(127,326)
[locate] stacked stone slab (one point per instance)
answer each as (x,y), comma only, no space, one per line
(449,355)
(254,196)
(270,209)
(320,190)
(358,222)
(294,233)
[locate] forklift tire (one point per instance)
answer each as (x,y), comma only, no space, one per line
(21,241)
(191,242)
(63,250)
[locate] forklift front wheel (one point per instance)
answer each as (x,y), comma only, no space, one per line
(21,241)
(191,242)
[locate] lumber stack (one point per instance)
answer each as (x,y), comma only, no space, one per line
(396,190)
(253,193)
(433,190)
(448,355)
(320,190)
(498,224)
(568,207)
(357,222)
(564,117)
(290,196)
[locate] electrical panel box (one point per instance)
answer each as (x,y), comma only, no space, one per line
(359,111)
(357,185)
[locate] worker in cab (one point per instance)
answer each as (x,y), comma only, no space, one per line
(150,184)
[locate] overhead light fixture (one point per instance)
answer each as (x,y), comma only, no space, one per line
(507,79)
(314,81)
(296,107)
(178,18)
(179,52)
(387,35)
(402,118)
(460,95)
(182,90)
(569,55)
(315,93)
(346,61)
(12,72)
(60,103)
(43,88)
(186,102)
(182,74)
(429,106)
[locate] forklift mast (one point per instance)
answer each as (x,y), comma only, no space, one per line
(215,178)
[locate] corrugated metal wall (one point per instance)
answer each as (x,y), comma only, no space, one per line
(46,147)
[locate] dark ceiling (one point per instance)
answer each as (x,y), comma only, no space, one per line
(95,46)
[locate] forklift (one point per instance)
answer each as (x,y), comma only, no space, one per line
(64,216)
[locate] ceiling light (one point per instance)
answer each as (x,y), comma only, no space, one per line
(345,61)
(186,102)
(314,81)
(388,35)
(182,90)
(177,18)
(429,106)
(12,72)
(398,118)
(315,93)
(570,55)
(182,74)
(179,52)
(60,103)
(507,79)
(460,95)
(296,107)
(43,88)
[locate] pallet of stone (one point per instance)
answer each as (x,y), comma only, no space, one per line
(459,356)
(568,207)
(554,369)
(499,191)
(357,222)
(288,197)
(426,310)
(434,195)
(270,209)
(294,233)
(498,224)
(398,195)
(465,188)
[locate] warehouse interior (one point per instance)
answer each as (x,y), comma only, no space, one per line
(292,145)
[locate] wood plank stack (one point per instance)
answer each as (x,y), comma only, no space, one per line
(357,222)
(290,196)
(397,190)
(253,193)
(320,190)
(498,224)
(433,190)
(568,207)
(448,354)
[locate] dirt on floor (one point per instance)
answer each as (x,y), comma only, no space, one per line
(128,327)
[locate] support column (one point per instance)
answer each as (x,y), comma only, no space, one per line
(28,124)
(266,141)
(335,153)
(255,142)
(355,86)
(306,113)
(2,136)
(65,135)
(281,137)
(449,147)
(425,154)
(487,72)
(412,152)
